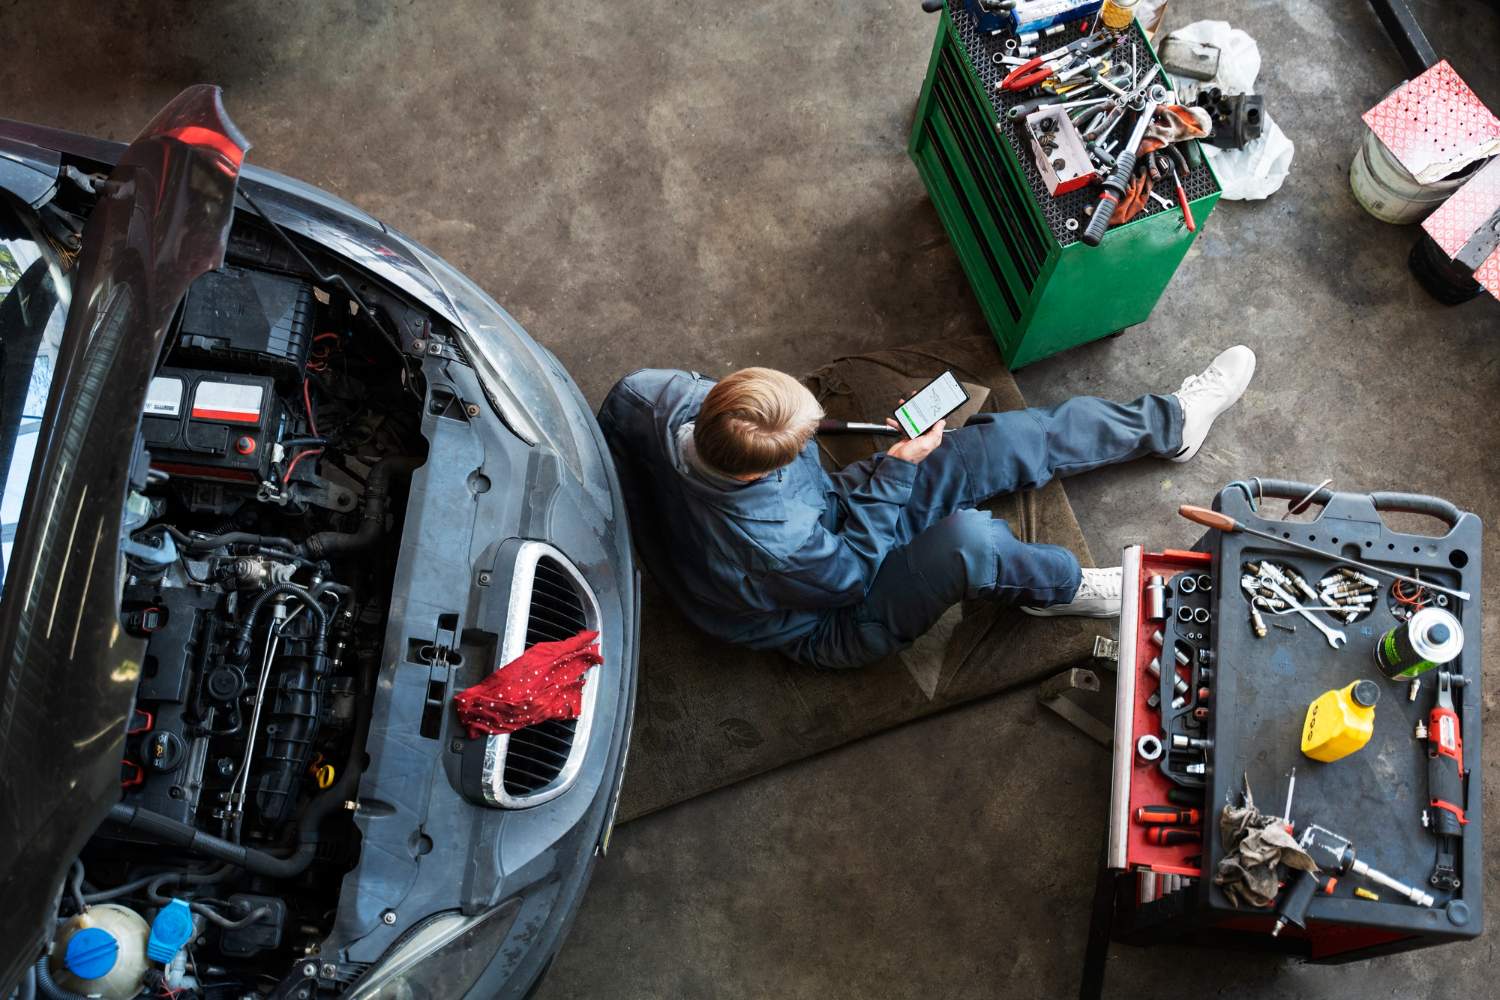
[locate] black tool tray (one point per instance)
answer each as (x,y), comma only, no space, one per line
(1376,796)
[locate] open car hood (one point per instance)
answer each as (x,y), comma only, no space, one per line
(68,671)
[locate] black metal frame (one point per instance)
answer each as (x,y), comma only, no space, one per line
(1406,34)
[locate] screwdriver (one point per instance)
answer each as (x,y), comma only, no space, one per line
(1166,816)
(1119,179)
(1223,522)
(1170,836)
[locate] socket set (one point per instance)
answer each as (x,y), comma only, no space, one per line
(1180,609)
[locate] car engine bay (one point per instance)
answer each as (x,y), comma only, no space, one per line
(260,545)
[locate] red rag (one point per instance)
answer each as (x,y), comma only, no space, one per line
(543,683)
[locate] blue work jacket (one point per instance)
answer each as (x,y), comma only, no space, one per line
(758,564)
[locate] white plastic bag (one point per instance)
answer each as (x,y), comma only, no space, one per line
(1259,169)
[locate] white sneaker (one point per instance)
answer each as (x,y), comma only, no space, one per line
(1204,397)
(1098,597)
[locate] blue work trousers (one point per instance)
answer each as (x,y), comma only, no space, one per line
(948,551)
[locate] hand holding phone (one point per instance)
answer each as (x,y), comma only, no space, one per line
(915,449)
(933,402)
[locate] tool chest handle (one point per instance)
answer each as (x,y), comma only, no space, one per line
(1418,503)
(1409,503)
(1290,489)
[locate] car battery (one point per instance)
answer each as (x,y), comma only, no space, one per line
(206,425)
(1212,699)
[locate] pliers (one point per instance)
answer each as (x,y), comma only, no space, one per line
(1179,172)
(1038,68)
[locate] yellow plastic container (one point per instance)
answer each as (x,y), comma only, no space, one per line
(1340,722)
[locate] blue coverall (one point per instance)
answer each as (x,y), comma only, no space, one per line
(840,570)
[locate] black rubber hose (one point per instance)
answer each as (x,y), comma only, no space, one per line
(341,590)
(48,987)
(165,830)
(201,907)
(75,885)
(247,626)
(145,881)
(210,542)
(377,497)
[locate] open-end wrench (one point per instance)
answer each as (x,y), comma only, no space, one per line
(1335,637)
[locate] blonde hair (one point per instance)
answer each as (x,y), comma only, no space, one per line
(755,421)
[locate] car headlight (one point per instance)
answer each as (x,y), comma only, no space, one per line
(517,373)
(440,960)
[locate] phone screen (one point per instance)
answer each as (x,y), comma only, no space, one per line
(935,401)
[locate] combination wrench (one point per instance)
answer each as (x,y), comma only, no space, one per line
(1335,637)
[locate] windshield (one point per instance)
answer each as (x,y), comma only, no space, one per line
(33,308)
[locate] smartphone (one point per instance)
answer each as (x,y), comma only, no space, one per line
(932,402)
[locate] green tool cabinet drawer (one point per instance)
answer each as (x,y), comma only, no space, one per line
(1040,289)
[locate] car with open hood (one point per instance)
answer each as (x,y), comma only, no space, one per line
(278,483)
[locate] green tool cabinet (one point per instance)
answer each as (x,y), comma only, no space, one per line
(1040,288)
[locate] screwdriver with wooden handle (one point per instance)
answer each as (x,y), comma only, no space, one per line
(1223,522)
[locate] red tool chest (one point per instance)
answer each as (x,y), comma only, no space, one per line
(1252,703)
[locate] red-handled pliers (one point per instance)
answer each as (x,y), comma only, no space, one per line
(1179,173)
(1036,69)
(1027,75)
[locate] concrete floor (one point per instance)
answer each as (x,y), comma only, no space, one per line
(708,187)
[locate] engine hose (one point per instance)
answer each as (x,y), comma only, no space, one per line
(148,881)
(219,920)
(377,497)
(247,627)
(211,542)
(154,894)
(48,988)
(75,885)
(165,830)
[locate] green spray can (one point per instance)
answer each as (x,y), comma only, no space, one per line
(1427,639)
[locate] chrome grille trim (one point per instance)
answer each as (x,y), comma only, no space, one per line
(524,627)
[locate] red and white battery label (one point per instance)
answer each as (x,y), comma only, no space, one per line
(228,401)
(164,396)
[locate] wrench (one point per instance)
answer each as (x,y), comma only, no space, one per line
(1335,637)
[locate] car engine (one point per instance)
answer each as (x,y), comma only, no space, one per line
(275,449)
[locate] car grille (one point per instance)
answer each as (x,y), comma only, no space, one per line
(537,754)
(549,601)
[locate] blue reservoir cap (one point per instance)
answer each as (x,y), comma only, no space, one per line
(91,953)
(170,930)
(1438,634)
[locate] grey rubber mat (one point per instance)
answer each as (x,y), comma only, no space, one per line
(709,714)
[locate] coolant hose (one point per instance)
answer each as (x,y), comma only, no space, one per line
(377,496)
(48,987)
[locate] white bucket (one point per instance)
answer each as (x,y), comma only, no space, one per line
(1383,188)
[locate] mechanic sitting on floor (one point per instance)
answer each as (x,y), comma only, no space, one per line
(758,545)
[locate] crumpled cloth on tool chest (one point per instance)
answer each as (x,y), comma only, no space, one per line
(1172,123)
(542,684)
(1254,845)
